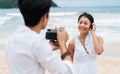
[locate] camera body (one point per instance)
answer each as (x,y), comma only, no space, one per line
(51,34)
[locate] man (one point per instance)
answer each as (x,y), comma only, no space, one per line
(27,52)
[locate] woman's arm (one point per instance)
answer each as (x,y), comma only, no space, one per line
(71,47)
(98,42)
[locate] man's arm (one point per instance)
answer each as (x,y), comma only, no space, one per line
(50,60)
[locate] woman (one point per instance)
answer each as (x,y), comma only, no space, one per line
(86,46)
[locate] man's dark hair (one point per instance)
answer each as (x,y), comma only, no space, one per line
(89,16)
(33,10)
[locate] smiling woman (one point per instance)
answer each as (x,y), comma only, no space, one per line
(86,46)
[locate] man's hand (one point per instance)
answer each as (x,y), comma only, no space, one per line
(62,35)
(54,44)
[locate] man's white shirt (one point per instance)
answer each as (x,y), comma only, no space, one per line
(29,53)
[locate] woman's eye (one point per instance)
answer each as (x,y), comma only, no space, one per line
(80,22)
(86,23)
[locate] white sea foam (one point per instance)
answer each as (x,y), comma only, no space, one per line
(62,13)
(4,19)
(51,14)
(13,14)
(108,22)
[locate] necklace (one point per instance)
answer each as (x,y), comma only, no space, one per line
(83,44)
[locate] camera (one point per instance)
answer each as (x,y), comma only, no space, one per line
(51,34)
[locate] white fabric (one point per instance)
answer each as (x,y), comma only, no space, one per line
(29,53)
(85,63)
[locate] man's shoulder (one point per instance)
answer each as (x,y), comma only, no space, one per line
(25,37)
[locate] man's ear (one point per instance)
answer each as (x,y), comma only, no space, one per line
(44,19)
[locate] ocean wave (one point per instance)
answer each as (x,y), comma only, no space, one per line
(13,14)
(4,19)
(51,14)
(108,22)
(109,36)
(62,13)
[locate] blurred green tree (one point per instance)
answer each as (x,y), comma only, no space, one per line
(13,4)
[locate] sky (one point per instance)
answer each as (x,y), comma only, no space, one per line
(77,3)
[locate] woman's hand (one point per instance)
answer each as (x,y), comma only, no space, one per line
(93,28)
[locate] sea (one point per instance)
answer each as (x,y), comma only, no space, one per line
(107,20)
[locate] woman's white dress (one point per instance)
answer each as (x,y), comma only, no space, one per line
(85,63)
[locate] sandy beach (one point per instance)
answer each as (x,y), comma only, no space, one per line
(108,62)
